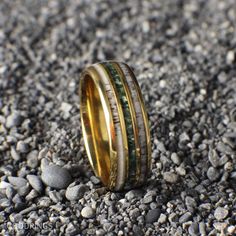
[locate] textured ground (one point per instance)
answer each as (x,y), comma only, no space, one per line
(184,56)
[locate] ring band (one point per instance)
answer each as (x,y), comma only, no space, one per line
(115,125)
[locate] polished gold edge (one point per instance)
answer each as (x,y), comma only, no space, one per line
(122,123)
(145,116)
(84,110)
(133,117)
(94,74)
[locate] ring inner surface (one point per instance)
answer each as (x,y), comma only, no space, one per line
(95,128)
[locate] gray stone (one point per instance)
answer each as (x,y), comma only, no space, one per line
(213,174)
(95,180)
(56,176)
(32,159)
(162,219)
(152,215)
(76,192)
(170,177)
(221,213)
(22,147)
(213,158)
(35,182)
(14,119)
(130,195)
(185,217)
(14,154)
(17,182)
(193,229)
(175,158)
(88,212)
(134,213)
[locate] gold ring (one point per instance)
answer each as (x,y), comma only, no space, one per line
(115,125)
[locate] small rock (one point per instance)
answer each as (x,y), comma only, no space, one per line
(42,153)
(134,213)
(32,194)
(162,219)
(10,192)
(231,229)
(213,174)
(35,182)
(213,158)
(170,177)
(220,226)
(193,229)
(88,212)
(190,202)
(17,182)
(130,195)
(24,190)
(56,176)
(184,138)
(153,215)
(14,154)
(55,196)
(22,147)
(175,158)
(32,159)
(185,217)
(15,119)
(75,192)
(180,170)
(95,180)
(230,57)
(202,229)
(221,213)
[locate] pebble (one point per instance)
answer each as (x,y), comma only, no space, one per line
(152,215)
(14,119)
(56,177)
(75,192)
(134,213)
(230,57)
(130,195)
(22,147)
(175,158)
(193,229)
(213,174)
(170,177)
(95,180)
(231,229)
(213,158)
(17,182)
(14,154)
(221,213)
(185,217)
(35,182)
(88,212)
(162,219)
(32,159)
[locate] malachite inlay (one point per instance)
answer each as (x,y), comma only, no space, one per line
(127,117)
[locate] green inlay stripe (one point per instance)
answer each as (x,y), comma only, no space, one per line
(127,117)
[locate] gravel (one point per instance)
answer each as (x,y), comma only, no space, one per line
(35,182)
(221,213)
(76,192)
(87,212)
(56,177)
(183,53)
(152,215)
